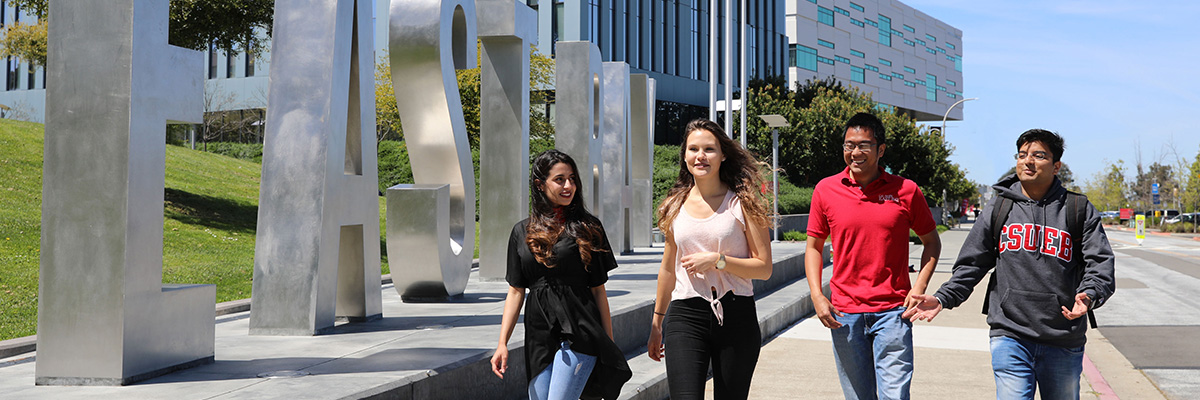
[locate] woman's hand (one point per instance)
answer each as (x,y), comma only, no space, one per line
(654,348)
(500,361)
(698,263)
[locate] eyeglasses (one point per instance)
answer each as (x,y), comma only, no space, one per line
(1037,155)
(861,146)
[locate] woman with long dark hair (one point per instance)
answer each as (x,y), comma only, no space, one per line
(715,225)
(561,254)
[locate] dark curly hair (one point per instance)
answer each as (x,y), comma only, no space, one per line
(544,228)
(739,171)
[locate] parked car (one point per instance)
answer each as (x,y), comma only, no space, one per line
(1172,220)
(1110,214)
(1189,217)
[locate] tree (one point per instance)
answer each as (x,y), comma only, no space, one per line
(1142,187)
(1107,189)
(541,76)
(1190,196)
(229,25)
(810,149)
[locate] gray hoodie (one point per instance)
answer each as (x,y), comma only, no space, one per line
(1036,273)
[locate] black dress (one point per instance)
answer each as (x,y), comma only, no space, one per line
(560,306)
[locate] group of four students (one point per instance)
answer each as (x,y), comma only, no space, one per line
(1050,262)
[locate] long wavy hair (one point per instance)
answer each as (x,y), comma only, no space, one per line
(739,171)
(544,228)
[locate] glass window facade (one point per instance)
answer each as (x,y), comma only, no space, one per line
(857,7)
(825,43)
(804,57)
(910,70)
(857,74)
(857,53)
(930,37)
(841,59)
(885,30)
(909,28)
(930,87)
(824,15)
(857,23)
(950,45)
(885,62)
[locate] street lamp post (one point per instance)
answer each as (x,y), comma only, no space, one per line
(945,201)
(775,122)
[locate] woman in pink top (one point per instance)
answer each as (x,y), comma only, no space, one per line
(716,242)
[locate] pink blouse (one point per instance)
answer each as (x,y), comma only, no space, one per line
(723,232)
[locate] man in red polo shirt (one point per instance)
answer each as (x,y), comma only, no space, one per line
(867,213)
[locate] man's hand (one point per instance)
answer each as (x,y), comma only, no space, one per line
(1082,304)
(925,308)
(825,312)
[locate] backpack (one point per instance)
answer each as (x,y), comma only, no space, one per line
(1076,216)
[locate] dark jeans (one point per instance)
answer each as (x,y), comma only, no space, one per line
(693,338)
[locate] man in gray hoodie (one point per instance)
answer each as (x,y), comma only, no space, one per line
(1044,280)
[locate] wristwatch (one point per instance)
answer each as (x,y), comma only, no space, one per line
(721,262)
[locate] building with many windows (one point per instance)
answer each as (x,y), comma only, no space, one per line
(668,39)
(902,56)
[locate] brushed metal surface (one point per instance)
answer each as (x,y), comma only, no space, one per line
(614,153)
(641,158)
(113,82)
(579,89)
(427,41)
(507,29)
(316,257)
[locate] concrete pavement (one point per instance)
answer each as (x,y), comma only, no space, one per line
(952,359)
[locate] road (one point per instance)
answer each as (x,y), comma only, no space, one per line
(1147,345)
(1154,317)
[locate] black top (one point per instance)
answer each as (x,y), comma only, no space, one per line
(560,306)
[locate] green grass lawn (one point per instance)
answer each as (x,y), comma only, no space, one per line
(211,210)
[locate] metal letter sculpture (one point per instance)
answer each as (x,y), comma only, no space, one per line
(641,156)
(317,253)
(579,89)
(104,316)
(430,232)
(506,29)
(614,197)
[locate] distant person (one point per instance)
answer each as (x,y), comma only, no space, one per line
(868,212)
(1052,265)
(716,242)
(561,254)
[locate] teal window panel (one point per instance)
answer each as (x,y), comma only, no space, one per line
(857,74)
(871,67)
(885,30)
(824,15)
(857,23)
(951,46)
(885,62)
(898,75)
(824,60)
(930,37)
(841,59)
(825,43)
(842,11)
(885,77)
(910,84)
(951,83)
(910,70)
(857,53)
(909,42)
(909,28)
(804,57)
(857,7)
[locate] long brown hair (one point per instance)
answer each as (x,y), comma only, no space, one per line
(544,228)
(739,171)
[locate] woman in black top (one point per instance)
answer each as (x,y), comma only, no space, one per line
(561,254)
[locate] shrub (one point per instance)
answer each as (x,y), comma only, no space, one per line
(1178,227)
(393,164)
(795,236)
(242,151)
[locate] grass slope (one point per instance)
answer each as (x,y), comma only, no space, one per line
(210,213)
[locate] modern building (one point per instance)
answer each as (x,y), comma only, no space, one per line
(666,39)
(902,56)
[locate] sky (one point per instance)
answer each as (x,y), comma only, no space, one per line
(1112,77)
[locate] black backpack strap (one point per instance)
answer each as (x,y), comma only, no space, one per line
(999,217)
(1076,217)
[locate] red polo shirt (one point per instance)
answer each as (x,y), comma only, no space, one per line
(869,230)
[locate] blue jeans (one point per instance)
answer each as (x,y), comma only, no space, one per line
(1020,366)
(565,377)
(874,356)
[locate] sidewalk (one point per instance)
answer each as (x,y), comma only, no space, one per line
(952,359)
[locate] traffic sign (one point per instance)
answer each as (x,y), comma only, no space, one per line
(1154,188)
(1156,199)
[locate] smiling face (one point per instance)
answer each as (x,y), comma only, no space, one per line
(702,154)
(864,153)
(1032,172)
(560,184)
